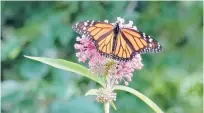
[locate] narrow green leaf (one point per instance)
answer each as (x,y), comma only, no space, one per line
(141,96)
(68,66)
(113,105)
(91,92)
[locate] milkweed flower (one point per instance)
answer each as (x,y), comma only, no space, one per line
(105,95)
(116,71)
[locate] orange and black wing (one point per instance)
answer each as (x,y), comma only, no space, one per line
(131,42)
(122,50)
(101,33)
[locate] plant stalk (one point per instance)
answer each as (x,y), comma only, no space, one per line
(107,107)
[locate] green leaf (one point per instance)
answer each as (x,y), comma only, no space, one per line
(91,92)
(113,105)
(141,96)
(68,66)
(94,92)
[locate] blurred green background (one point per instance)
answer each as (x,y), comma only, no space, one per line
(172,78)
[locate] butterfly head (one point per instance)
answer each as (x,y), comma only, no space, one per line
(119,22)
(117,28)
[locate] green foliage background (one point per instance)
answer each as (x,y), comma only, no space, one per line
(172,78)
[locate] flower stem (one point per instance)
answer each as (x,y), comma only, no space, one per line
(107,107)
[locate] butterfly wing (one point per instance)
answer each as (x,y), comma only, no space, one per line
(101,33)
(131,42)
(123,50)
(128,43)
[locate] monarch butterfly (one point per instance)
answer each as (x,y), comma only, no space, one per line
(116,41)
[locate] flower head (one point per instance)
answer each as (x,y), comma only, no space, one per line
(105,95)
(115,71)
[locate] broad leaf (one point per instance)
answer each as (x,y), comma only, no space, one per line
(68,66)
(141,96)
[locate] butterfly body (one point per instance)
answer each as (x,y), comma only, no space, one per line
(117,41)
(116,31)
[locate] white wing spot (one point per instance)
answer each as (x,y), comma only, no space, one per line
(143,34)
(150,40)
(106,21)
(84,28)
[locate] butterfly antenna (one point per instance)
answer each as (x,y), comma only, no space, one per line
(113,15)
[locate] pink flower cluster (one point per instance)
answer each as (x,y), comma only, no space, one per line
(97,63)
(123,70)
(117,71)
